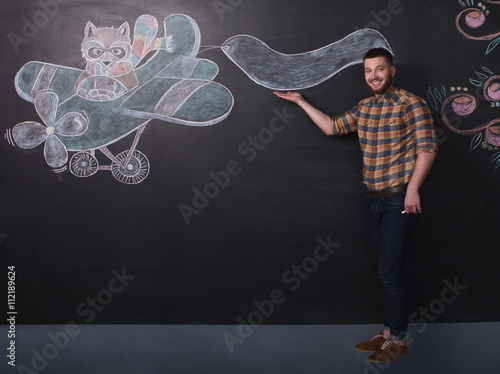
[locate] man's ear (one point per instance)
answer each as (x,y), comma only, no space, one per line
(393,71)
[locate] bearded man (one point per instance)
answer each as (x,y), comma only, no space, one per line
(398,144)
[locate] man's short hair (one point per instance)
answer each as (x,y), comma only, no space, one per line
(379,52)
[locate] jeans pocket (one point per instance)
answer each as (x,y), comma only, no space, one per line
(398,199)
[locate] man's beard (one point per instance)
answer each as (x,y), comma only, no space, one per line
(388,83)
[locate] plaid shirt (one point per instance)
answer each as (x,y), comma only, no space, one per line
(393,129)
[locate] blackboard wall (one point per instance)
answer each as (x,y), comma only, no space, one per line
(281,238)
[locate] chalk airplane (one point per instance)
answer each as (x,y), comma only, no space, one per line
(83,113)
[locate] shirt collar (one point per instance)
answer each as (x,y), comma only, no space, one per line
(386,96)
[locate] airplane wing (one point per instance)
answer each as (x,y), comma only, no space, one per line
(190,68)
(190,102)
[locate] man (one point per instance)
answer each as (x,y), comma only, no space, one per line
(398,144)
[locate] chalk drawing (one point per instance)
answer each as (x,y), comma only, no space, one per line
(124,86)
(474,18)
(279,71)
(459,108)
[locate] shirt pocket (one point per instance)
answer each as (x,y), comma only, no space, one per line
(394,128)
(383,131)
(367,128)
(367,123)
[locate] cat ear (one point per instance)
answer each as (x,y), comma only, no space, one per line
(90,29)
(124,29)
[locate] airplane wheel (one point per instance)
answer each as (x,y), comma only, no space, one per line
(83,164)
(134,172)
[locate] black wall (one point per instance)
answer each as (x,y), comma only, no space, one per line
(66,235)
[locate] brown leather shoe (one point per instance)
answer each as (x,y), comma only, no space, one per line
(390,351)
(373,345)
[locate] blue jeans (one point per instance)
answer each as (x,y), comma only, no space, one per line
(388,233)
